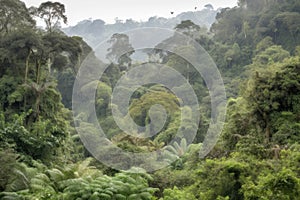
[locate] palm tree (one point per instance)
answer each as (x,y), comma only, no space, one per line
(177,149)
(172,153)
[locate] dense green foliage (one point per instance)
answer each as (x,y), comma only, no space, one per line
(256,46)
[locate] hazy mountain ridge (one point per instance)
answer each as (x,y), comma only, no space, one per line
(96,31)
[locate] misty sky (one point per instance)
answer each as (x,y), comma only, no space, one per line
(108,10)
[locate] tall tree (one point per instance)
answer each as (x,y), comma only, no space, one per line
(120,51)
(58,44)
(52,13)
(24,44)
(14,14)
(188,27)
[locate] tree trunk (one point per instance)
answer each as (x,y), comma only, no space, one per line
(37,106)
(38,69)
(27,66)
(268,133)
(268,129)
(49,65)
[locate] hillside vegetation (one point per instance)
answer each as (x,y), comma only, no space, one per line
(256,47)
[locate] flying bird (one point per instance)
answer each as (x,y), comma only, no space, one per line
(172,13)
(195,8)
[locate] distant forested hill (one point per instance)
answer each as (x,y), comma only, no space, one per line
(95,31)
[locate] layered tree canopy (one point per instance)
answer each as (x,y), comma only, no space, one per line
(256,47)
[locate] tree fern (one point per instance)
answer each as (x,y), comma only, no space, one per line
(20,177)
(10,196)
